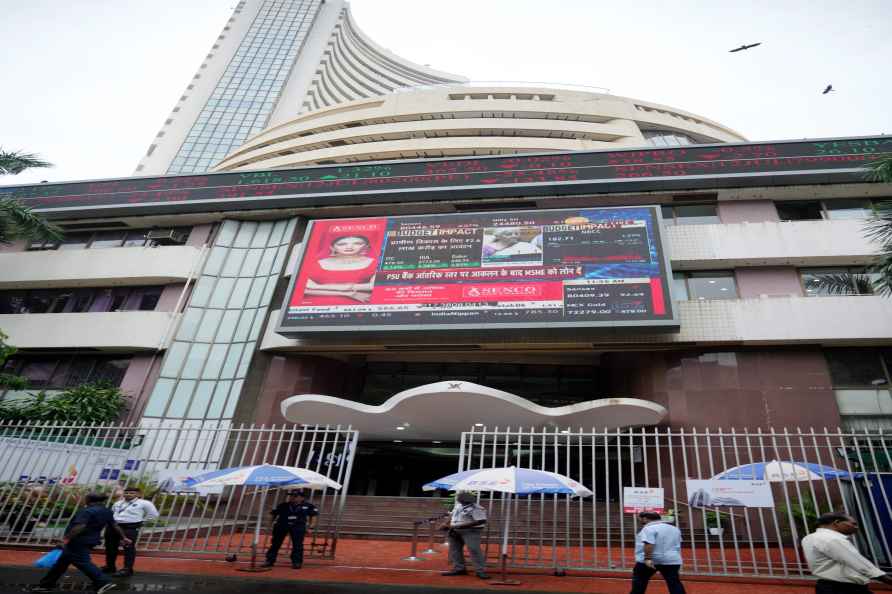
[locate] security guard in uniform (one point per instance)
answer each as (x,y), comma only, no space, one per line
(292,517)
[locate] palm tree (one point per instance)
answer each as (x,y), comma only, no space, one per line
(17,221)
(878,277)
(879,228)
(15,162)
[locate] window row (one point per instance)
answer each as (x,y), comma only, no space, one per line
(817,210)
(116,238)
(57,372)
(38,301)
(816,282)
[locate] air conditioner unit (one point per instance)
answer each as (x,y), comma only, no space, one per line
(166,237)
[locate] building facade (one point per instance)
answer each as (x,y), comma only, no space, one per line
(177,299)
(273,60)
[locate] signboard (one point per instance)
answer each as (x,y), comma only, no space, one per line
(547,268)
(48,462)
(641,499)
(687,167)
(729,493)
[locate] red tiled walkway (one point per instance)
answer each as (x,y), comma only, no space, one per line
(380,562)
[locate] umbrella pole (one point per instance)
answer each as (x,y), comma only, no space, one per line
(504,550)
(256,540)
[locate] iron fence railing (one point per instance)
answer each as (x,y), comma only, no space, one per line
(549,531)
(46,468)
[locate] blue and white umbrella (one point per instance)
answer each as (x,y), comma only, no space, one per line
(514,481)
(263,475)
(777,472)
(518,481)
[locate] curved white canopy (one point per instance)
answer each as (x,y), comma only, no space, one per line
(442,410)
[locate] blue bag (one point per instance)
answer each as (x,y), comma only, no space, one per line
(49,559)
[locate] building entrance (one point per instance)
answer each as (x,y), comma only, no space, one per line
(400,469)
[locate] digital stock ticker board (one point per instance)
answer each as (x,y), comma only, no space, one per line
(676,168)
(568,268)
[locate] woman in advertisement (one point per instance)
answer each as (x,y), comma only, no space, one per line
(344,273)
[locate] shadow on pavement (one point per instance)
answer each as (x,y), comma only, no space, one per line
(16,579)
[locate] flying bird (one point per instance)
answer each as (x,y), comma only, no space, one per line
(827,90)
(744,47)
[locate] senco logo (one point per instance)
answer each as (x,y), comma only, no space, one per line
(503,291)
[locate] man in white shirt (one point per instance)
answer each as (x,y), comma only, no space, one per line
(465,528)
(834,560)
(130,513)
(657,548)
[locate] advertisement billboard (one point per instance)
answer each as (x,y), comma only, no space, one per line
(590,267)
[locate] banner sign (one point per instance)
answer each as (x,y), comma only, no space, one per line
(641,499)
(547,268)
(729,493)
(575,172)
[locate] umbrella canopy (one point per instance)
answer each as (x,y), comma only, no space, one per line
(519,481)
(264,475)
(777,472)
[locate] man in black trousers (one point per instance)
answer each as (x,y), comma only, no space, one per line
(292,517)
(82,534)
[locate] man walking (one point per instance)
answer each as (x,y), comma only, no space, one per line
(465,527)
(292,517)
(82,534)
(834,560)
(657,548)
(130,513)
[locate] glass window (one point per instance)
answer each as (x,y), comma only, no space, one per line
(855,368)
(221,292)
(233,263)
(108,239)
(200,400)
(821,282)
(214,361)
(849,208)
(227,325)
(135,239)
(110,370)
(209,323)
(240,293)
(679,286)
(232,360)
(75,241)
(189,323)
(244,325)
(39,301)
(160,397)
(873,401)
(215,261)
(202,291)
(804,210)
(696,214)
(245,234)
(711,285)
(226,233)
(38,372)
(80,371)
(181,398)
(148,298)
(174,359)
(81,301)
(12,302)
(195,360)
(219,401)
(233,399)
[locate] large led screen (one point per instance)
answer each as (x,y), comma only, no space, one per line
(536,269)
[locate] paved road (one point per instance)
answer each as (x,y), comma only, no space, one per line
(15,580)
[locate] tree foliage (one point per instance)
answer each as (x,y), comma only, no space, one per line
(7,380)
(15,162)
(17,221)
(98,403)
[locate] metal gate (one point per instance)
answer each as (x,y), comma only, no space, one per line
(552,531)
(46,468)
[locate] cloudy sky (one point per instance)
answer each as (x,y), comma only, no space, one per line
(87,84)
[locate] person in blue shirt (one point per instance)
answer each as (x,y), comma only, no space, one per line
(82,534)
(657,548)
(292,517)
